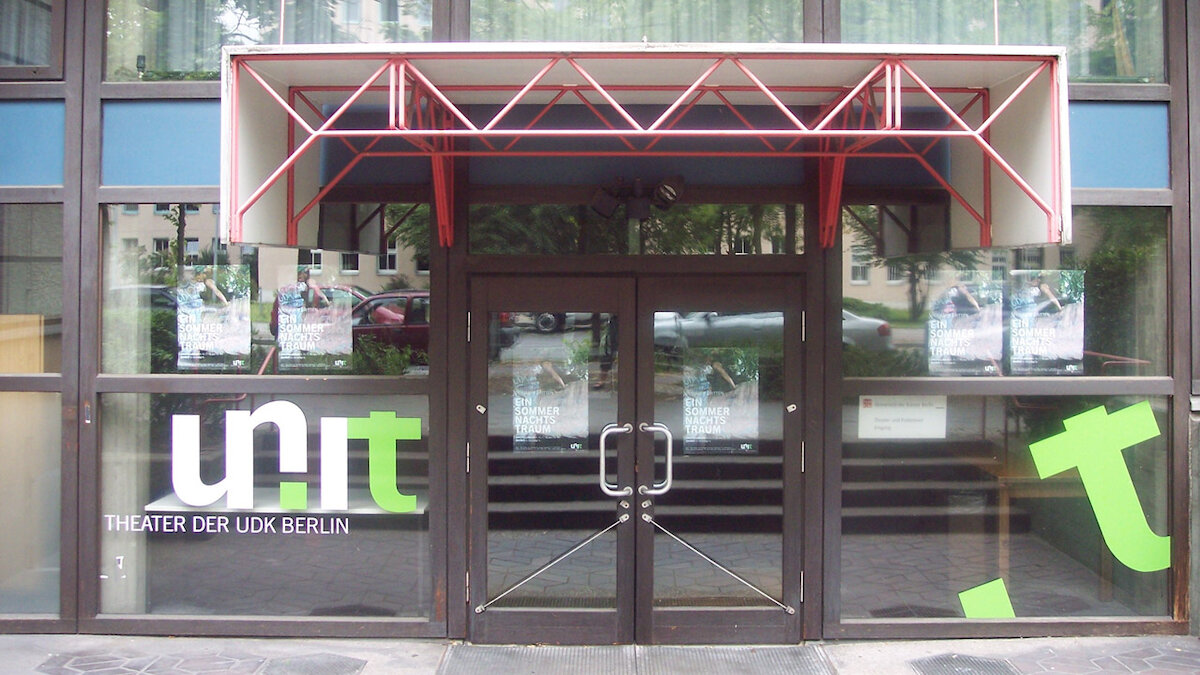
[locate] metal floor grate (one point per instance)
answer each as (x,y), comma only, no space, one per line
(961,664)
(634,660)
(476,659)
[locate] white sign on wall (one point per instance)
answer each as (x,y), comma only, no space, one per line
(901,417)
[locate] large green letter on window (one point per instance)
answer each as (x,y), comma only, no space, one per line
(1092,443)
(382,430)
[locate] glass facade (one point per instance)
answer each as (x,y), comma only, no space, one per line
(638,20)
(270,440)
(981,490)
(1117,41)
(30,489)
(1087,308)
(177,300)
(614,226)
(235,504)
(31,288)
(26,33)
(182,40)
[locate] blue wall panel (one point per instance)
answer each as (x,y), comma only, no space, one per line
(1113,145)
(1119,145)
(161,143)
(31,142)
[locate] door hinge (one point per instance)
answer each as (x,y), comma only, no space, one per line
(468,327)
(803,326)
(801,586)
(802,457)
(468,456)
(467,586)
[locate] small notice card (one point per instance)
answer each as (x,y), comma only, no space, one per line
(901,416)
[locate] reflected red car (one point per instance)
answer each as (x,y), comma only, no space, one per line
(348,293)
(396,318)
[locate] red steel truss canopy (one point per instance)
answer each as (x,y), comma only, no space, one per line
(1002,113)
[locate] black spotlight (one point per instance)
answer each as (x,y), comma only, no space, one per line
(605,203)
(667,192)
(638,206)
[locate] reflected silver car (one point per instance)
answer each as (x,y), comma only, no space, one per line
(865,332)
(674,332)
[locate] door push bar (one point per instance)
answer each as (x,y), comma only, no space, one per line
(662,487)
(608,488)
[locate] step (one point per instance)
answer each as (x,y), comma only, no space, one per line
(923,448)
(931,519)
(916,493)
(677,485)
(856,470)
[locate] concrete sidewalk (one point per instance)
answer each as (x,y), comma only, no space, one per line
(112,655)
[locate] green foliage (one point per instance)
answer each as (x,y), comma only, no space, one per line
(398,282)
(859,362)
(1071,286)
(373,357)
(579,353)
(551,229)
(634,20)
(569,229)
(711,228)
(1112,291)
(164,343)
(1122,275)
(1113,40)
(876,310)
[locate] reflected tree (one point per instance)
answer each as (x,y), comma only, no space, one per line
(1124,279)
(862,224)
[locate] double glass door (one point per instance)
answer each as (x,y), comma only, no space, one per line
(635,460)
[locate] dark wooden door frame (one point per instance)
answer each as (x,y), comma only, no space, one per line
(635,294)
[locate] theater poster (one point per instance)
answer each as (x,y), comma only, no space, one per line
(965,330)
(720,401)
(1045,322)
(212,322)
(313,331)
(550,397)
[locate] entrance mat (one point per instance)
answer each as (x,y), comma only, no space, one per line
(807,660)
(488,660)
(635,660)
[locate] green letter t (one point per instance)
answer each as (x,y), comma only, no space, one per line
(1092,443)
(382,430)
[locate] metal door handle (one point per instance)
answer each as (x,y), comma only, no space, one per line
(665,485)
(606,487)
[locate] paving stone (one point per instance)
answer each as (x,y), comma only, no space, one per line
(1108,664)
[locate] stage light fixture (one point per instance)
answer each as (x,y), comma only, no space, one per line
(667,192)
(638,205)
(604,203)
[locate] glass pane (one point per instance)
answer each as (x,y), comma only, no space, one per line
(1062,498)
(26,33)
(182,41)
(683,229)
(177,300)
(1095,307)
(1119,41)
(31,289)
(637,20)
(551,389)
(30,490)
(718,386)
(266,506)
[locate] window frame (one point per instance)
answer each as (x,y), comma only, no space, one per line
(47,71)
